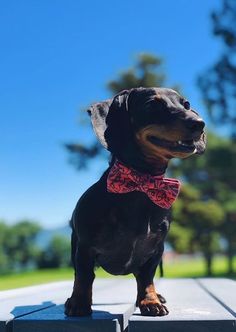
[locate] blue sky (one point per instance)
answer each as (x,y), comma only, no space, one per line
(56,58)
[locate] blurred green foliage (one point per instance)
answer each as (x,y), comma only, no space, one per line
(218,82)
(17,245)
(56,254)
(213,178)
(19,249)
(146,72)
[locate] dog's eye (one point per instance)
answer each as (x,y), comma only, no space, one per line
(186,105)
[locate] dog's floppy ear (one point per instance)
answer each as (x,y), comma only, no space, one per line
(98,113)
(111,122)
(118,129)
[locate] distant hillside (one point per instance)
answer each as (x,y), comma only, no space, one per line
(46,235)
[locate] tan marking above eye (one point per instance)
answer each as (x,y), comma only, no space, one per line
(158,96)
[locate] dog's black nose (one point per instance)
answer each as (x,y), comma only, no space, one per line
(195,124)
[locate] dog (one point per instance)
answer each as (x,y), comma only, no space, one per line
(120,223)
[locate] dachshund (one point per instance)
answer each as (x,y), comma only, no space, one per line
(120,223)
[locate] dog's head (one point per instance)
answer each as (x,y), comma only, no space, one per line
(158,122)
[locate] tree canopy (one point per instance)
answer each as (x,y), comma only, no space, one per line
(218,83)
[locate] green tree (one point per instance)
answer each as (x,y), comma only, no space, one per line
(17,245)
(213,176)
(4,261)
(20,247)
(218,83)
(146,72)
(218,87)
(228,230)
(196,225)
(56,254)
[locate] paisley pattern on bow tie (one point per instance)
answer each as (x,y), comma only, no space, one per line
(162,191)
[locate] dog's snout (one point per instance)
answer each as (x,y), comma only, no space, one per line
(196,125)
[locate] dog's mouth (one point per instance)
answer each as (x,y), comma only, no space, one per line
(184,146)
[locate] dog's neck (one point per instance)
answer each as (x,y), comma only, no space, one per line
(155,166)
(142,164)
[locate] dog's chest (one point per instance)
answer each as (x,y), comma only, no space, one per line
(132,236)
(144,246)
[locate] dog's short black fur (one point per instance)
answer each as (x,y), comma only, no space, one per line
(124,233)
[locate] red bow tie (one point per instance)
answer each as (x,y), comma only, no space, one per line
(162,191)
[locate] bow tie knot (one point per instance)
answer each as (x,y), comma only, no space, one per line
(162,191)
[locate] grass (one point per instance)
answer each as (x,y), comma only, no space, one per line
(193,268)
(175,268)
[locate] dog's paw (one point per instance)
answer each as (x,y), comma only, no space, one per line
(75,309)
(153,309)
(161,298)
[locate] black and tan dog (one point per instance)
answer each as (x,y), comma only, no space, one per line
(123,230)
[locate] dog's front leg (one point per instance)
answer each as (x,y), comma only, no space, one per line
(79,304)
(147,299)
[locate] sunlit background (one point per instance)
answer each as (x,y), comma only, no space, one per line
(56,58)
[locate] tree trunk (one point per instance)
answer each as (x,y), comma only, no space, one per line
(230,256)
(208,261)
